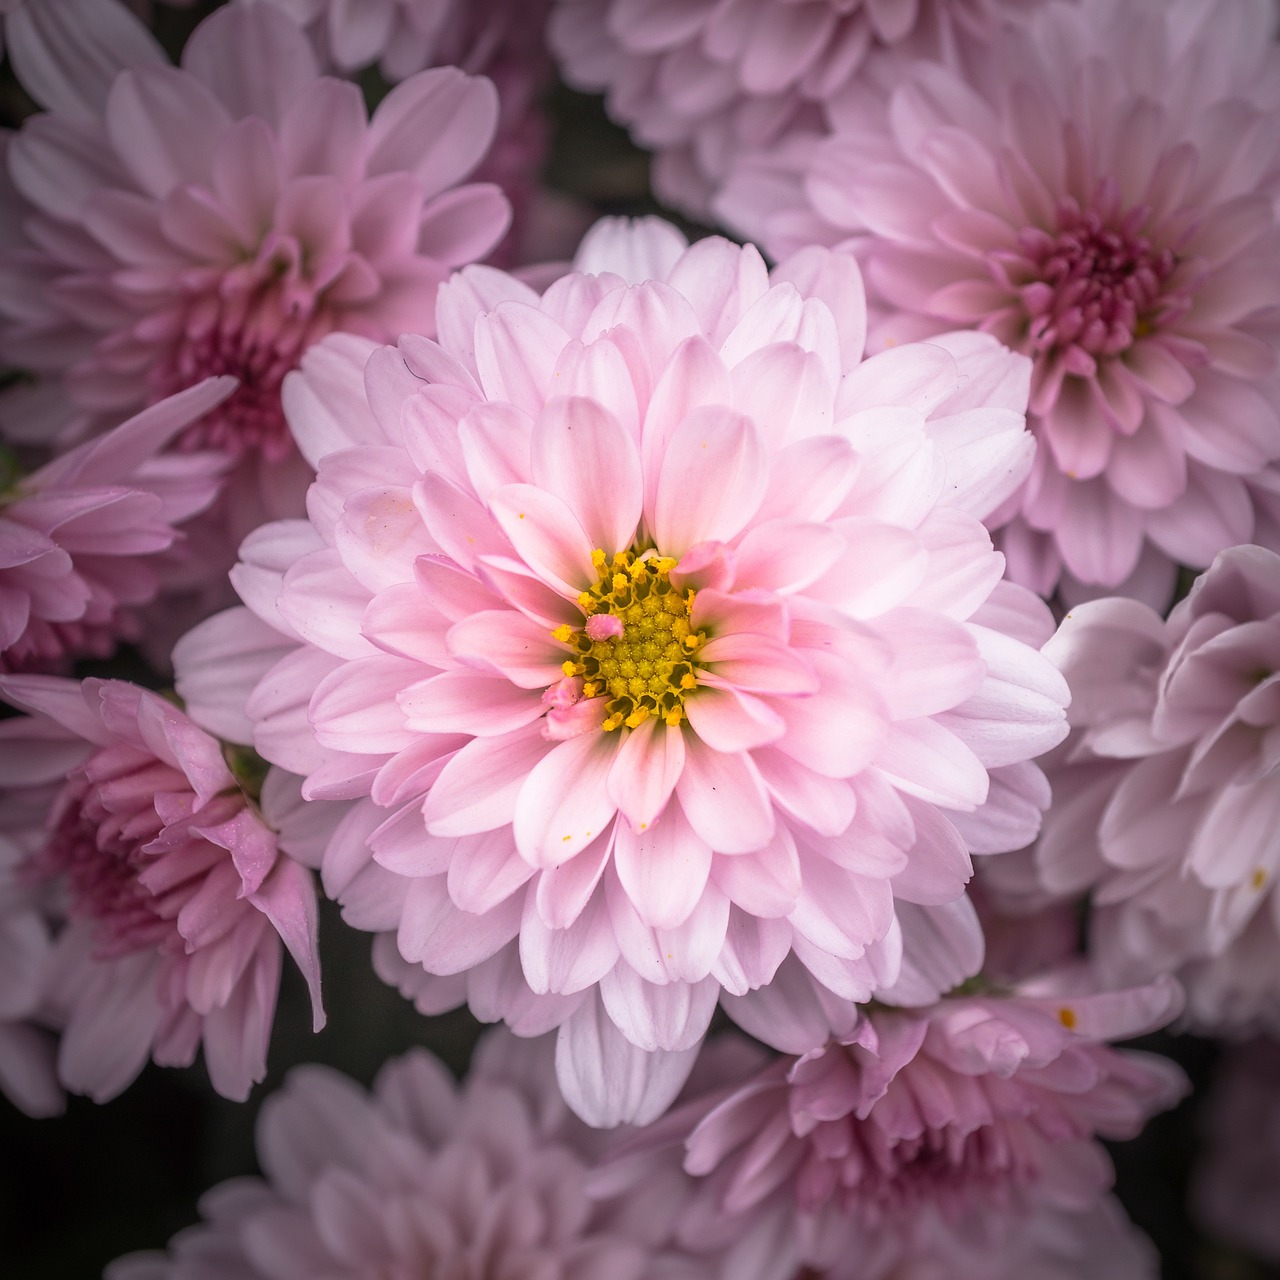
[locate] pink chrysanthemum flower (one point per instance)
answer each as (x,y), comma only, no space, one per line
(406,36)
(956,1140)
(178,898)
(423,1178)
(658,636)
(1111,215)
(1166,796)
(79,537)
(703,82)
(221,216)
(501,39)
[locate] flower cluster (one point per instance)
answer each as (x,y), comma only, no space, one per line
(637,639)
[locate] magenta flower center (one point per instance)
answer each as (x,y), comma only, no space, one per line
(637,646)
(1096,284)
(257,332)
(123,868)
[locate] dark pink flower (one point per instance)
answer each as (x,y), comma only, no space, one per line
(958,1140)
(179,901)
(1111,215)
(223,215)
(80,537)
(704,82)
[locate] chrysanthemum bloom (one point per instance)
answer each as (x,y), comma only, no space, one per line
(179,901)
(956,1140)
(1169,806)
(704,81)
(1114,217)
(221,216)
(1235,1184)
(79,536)
(405,36)
(500,39)
(657,632)
(423,1178)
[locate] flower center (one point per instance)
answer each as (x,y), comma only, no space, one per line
(257,334)
(637,647)
(1099,285)
(123,870)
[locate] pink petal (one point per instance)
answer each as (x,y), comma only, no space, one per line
(752,952)
(763,883)
(255,60)
(567,960)
(724,799)
(516,350)
(670,1017)
(694,377)
(582,454)
(564,891)
(564,803)
(645,771)
(712,480)
(467,702)
(443,939)
(663,869)
(546,536)
(926,760)
(164,125)
(728,720)
(436,125)
(508,643)
(477,789)
(606,1079)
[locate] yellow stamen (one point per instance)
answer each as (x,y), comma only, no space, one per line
(650,667)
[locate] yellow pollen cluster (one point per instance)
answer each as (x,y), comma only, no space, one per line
(644,663)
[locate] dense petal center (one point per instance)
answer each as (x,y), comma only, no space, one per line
(257,333)
(126,867)
(1097,284)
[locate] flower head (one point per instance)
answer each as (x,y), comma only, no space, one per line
(420,1178)
(958,1139)
(706,82)
(80,536)
(658,634)
(177,896)
(1167,805)
(222,216)
(1112,217)
(406,36)
(500,39)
